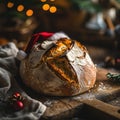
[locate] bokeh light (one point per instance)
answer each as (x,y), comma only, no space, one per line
(29,12)
(10,4)
(43,0)
(46,7)
(20,8)
(53,9)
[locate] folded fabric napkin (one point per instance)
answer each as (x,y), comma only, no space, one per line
(33,109)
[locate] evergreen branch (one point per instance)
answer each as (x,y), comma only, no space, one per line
(113,77)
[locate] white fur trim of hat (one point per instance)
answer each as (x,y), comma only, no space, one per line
(53,39)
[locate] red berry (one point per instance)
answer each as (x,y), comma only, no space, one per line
(16,94)
(118,60)
(18,105)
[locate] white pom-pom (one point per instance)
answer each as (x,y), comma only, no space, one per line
(58,35)
(21,55)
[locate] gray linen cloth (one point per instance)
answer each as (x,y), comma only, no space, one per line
(33,109)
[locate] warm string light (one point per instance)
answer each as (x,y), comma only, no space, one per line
(46,7)
(46,0)
(53,9)
(29,12)
(43,0)
(20,8)
(10,4)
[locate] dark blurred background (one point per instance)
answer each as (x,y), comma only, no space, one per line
(88,21)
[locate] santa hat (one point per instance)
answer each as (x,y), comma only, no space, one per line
(40,37)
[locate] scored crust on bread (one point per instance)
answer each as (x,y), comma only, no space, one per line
(61,68)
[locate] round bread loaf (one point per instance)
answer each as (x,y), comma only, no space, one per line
(60,67)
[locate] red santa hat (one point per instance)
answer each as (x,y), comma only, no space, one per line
(40,37)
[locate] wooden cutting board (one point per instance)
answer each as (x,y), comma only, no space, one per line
(64,108)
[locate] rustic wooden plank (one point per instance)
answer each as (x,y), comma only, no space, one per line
(65,108)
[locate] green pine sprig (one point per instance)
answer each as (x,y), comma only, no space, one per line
(113,77)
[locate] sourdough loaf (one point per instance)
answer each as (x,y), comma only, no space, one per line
(59,67)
